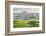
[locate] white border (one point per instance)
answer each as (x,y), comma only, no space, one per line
(24,29)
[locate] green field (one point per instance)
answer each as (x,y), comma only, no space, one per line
(25,23)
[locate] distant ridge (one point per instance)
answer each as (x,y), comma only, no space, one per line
(24,14)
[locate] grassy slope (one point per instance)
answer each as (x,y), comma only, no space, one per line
(25,23)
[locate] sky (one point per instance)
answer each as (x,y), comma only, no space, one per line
(27,8)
